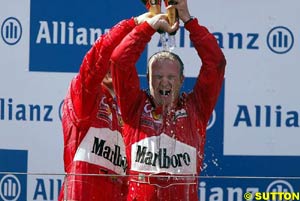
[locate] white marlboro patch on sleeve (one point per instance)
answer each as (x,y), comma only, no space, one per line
(103,147)
(163,153)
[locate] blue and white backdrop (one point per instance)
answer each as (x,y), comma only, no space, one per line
(254,130)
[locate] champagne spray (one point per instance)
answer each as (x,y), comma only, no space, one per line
(154,7)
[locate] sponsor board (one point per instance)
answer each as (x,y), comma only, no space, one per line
(13,186)
(240,189)
(64,37)
(253,131)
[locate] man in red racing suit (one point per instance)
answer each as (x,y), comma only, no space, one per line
(93,143)
(165,146)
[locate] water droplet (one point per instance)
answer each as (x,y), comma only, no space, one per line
(204,166)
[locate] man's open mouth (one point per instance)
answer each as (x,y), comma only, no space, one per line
(164,92)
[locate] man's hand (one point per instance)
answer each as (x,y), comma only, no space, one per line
(160,22)
(142,18)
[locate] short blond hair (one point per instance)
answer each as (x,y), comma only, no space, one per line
(161,55)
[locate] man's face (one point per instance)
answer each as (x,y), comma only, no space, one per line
(165,81)
(107,81)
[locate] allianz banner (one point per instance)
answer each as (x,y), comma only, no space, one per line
(254,129)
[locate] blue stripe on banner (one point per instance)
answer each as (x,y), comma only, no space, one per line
(61,32)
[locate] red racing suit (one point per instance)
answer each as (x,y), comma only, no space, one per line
(170,146)
(92,125)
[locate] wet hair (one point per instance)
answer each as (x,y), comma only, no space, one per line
(165,55)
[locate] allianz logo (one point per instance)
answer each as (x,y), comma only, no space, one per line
(12,110)
(266,116)
(66,33)
(11,30)
(10,188)
(279,39)
(212,120)
(208,192)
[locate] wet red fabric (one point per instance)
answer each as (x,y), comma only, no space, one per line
(174,143)
(90,111)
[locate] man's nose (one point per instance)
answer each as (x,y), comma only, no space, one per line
(165,81)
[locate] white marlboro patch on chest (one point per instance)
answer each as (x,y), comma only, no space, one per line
(103,147)
(163,153)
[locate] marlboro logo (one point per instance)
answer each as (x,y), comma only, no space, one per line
(111,154)
(163,153)
(104,148)
(161,158)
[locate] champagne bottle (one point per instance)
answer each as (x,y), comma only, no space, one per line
(172,18)
(171,12)
(154,7)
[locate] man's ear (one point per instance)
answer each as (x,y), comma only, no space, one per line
(182,79)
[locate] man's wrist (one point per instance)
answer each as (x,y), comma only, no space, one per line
(188,20)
